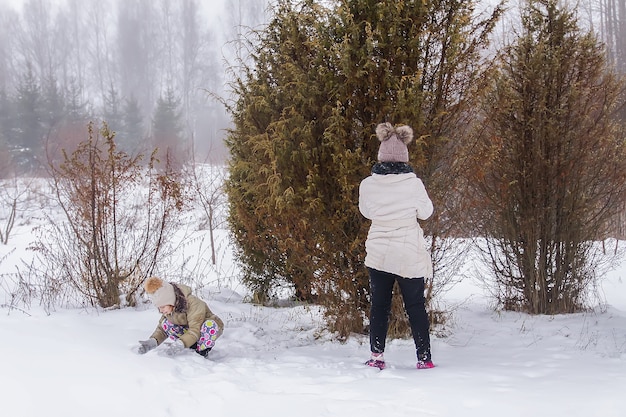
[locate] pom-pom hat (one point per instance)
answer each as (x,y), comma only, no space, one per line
(393,141)
(161,293)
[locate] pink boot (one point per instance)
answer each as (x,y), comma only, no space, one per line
(376,361)
(425,364)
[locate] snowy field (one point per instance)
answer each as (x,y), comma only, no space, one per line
(277,362)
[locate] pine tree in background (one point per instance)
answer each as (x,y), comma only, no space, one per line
(305,114)
(167,128)
(549,171)
(112,113)
(53,105)
(77,107)
(27,139)
(70,126)
(132,135)
(124,118)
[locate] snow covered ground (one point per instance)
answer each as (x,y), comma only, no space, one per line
(277,362)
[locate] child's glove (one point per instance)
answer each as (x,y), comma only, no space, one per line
(175,348)
(146,345)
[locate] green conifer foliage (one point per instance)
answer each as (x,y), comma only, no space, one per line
(323,77)
(276,149)
(132,135)
(29,130)
(167,130)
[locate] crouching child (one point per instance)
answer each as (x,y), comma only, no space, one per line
(185,319)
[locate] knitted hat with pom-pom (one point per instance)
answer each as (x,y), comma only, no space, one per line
(160,292)
(393,141)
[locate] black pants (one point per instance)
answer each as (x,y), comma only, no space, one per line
(381,286)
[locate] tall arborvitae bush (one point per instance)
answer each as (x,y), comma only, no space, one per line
(322,78)
(550,170)
(280,118)
(416,63)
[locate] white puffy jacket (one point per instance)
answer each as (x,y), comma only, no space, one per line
(395,242)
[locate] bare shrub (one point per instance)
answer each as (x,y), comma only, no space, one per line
(208,186)
(548,173)
(118,218)
(18,197)
(8,206)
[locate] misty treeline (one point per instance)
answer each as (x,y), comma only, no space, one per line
(108,100)
(150,69)
(520,143)
(608,19)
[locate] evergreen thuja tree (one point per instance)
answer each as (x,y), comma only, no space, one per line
(276,143)
(549,173)
(322,78)
(416,63)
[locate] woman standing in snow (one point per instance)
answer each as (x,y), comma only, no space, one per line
(393,198)
(186,319)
